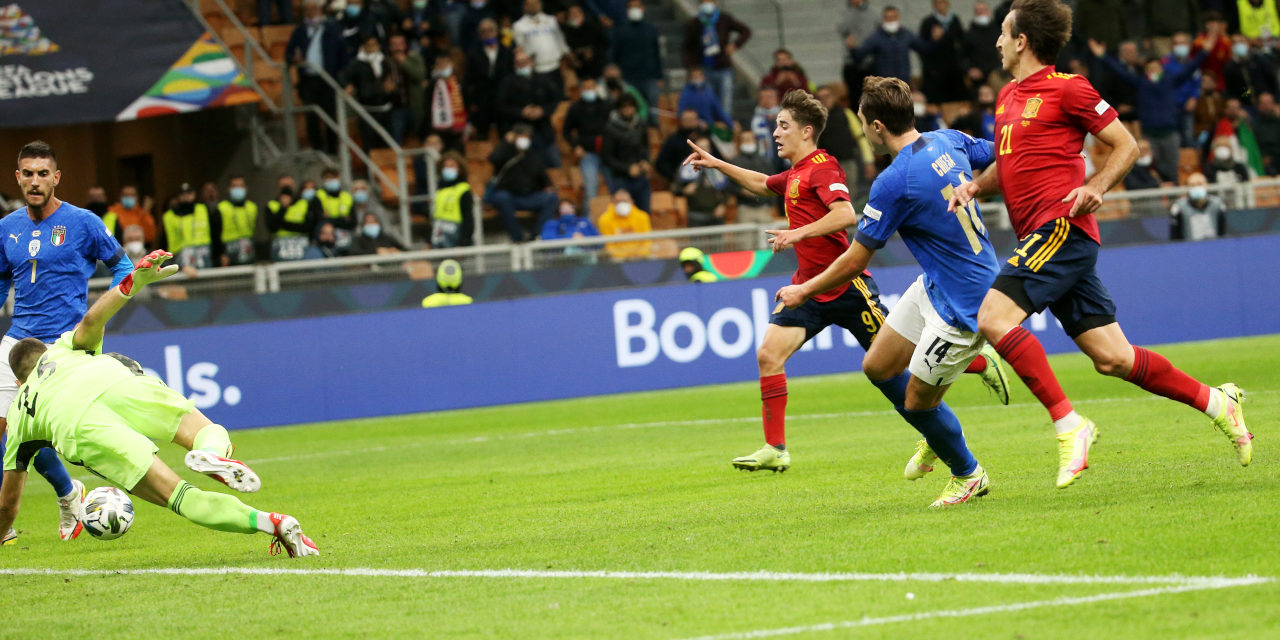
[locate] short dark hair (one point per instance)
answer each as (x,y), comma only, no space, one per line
(329,172)
(889,101)
(1046,23)
(627,100)
(806,110)
(24,355)
(37,149)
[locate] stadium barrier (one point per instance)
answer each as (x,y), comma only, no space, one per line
(406,361)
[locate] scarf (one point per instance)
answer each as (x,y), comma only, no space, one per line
(447,111)
(710,39)
(374,60)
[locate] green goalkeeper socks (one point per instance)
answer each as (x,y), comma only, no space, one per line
(214,439)
(213,510)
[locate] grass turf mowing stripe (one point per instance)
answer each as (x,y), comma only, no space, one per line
(1066,601)
(766,576)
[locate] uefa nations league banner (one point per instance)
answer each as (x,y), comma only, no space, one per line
(396,362)
(70,61)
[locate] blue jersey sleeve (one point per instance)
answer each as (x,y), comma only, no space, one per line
(882,215)
(981,152)
(103,246)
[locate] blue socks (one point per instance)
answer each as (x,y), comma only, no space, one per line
(48,465)
(939,426)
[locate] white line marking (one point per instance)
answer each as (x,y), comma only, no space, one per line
(977,611)
(701,576)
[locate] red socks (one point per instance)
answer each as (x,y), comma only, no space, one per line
(773,393)
(978,365)
(1153,372)
(1024,353)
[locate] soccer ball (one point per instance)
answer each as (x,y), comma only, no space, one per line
(108,513)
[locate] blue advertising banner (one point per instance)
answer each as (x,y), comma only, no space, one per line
(70,61)
(396,362)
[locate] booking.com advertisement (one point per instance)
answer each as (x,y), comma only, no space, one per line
(385,363)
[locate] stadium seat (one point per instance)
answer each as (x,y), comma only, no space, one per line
(668,211)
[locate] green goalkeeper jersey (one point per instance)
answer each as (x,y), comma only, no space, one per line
(57,392)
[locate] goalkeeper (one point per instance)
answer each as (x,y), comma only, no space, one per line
(100,412)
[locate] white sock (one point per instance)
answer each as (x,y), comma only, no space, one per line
(1067,423)
(262,520)
(1217,404)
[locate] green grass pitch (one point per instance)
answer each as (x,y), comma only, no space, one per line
(578,493)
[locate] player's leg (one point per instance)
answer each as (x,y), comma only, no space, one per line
(162,487)
(1113,355)
(779,343)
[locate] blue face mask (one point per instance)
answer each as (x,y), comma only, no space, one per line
(1198,193)
(449,174)
(1240,49)
(128,202)
(372,230)
(332,185)
(308,193)
(419,4)
(1181,50)
(237,194)
(589,96)
(353,10)
(360,197)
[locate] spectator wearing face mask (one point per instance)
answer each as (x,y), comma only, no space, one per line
(477,11)
(1234,130)
(188,232)
(335,205)
(358,25)
(624,150)
(751,156)
(586,41)
(635,47)
(363,201)
(371,239)
(942,69)
(1208,109)
(674,148)
(377,85)
(539,35)
(135,244)
(614,87)
(488,63)
(292,220)
(764,119)
(238,218)
(624,217)
(325,244)
(1178,58)
(980,57)
(584,131)
(785,75)
(1248,74)
(1198,215)
(529,99)
(520,182)
(317,45)
(452,205)
(698,95)
(1215,40)
(927,116)
(1158,110)
(1143,175)
(710,40)
(96,201)
(448,110)
(705,191)
(129,211)
(859,21)
(889,47)
(1222,167)
(570,225)
(408,116)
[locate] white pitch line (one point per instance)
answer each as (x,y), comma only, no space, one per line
(696,576)
(668,423)
(1066,601)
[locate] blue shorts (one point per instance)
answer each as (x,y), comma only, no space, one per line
(858,309)
(1056,267)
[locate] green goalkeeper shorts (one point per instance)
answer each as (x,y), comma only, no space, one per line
(114,437)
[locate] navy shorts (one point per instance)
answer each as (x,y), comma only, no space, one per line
(1056,267)
(858,309)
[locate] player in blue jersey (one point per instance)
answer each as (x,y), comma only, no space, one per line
(932,332)
(50,250)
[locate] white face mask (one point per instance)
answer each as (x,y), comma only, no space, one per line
(135,248)
(635,14)
(1222,153)
(622,208)
(982,21)
(918,108)
(891,27)
(1181,50)
(1198,193)
(522,144)
(748,148)
(1144,161)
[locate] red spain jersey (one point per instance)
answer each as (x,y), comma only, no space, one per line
(1041,123)
(808,190)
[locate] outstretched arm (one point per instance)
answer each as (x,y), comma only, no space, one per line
(850,263)
(88,333)
(10,497)
(752,181)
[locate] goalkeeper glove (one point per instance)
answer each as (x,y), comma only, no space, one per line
(147,270)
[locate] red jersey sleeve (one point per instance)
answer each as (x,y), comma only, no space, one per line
(1082,105)
(828,183)
(777,183)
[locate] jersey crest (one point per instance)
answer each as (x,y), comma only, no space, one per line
(59,235)
(1000,110)
(1033,107)
(33,247)
(793,191)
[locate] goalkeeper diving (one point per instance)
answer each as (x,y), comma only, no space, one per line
(101,412)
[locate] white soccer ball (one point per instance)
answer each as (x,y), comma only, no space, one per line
(108,513)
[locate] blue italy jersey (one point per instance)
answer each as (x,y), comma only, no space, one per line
(50,263)
(910,197)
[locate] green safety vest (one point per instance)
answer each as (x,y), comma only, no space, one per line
(187,231)
(445,300)
(110,221)
(703,276)
(238,222)
(296,213)
(338,206)
(448,202)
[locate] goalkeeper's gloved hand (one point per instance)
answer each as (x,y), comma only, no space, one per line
(147,270)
